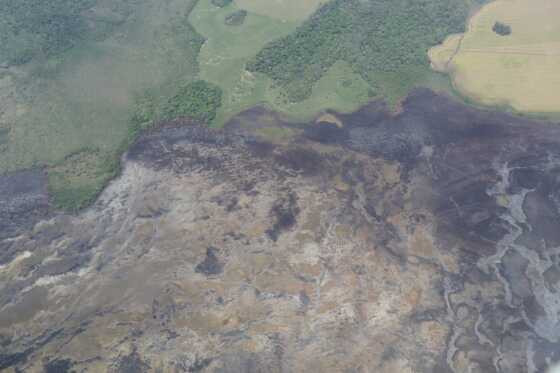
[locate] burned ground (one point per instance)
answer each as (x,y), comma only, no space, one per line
(418,241)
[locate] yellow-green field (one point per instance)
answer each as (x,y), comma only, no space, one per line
(290,10)
(520,70)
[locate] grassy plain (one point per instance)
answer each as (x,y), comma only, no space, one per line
(289,10)
(521,70)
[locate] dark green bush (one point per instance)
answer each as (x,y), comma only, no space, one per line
(198,100)
(501,29)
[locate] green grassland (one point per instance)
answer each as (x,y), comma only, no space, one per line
(289,10)
(223,57)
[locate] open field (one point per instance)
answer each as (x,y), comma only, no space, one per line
(227,48)
(520,70)
(289,10)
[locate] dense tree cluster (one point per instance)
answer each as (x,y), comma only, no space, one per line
(375,36)
(501,29)
(198,100)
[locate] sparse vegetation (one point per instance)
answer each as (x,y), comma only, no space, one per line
(384,41)
(284,10)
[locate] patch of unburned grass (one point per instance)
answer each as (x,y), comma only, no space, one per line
(222,58)
(275,134)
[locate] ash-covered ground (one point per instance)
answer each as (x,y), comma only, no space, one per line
(423,241)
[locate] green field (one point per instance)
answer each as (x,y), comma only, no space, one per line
(222,58)
(289,10)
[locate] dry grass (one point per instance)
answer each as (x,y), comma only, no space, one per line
(521,70)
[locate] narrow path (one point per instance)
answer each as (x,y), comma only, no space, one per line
(455,52)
